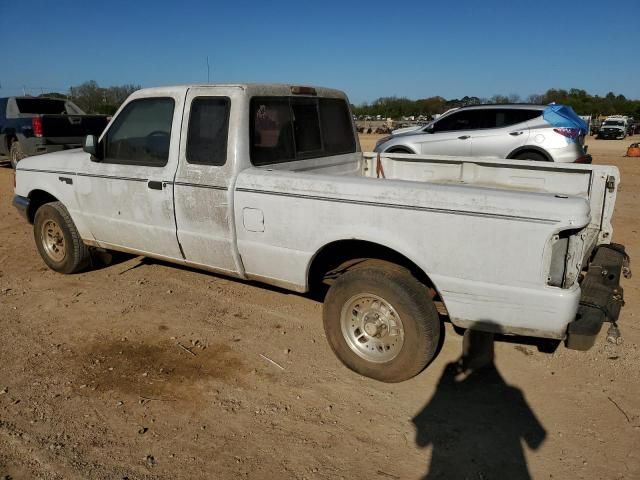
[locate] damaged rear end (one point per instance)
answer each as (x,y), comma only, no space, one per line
(588,257)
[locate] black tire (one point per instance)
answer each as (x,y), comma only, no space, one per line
(16,153)
(58,240)
(535,156)
(410,300)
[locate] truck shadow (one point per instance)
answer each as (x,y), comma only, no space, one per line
(475,422)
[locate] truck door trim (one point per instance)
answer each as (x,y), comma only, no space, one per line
(201,185)
(516,218)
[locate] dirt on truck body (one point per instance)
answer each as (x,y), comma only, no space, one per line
(144,370)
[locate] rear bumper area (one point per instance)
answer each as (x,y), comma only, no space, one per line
(602,296)
(22,204)
(610,134)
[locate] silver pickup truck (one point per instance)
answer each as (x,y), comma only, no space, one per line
(267,182)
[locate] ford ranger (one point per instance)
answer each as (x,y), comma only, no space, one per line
(268,183)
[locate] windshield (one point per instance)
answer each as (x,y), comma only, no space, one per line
(614,123)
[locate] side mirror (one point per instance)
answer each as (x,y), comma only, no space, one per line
(91,147)
(430,128)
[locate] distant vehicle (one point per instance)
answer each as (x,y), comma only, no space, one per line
(553,133)
(35,125)
(615,127)
(632,126)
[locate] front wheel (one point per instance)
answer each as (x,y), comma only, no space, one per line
(58,240)
(381,322)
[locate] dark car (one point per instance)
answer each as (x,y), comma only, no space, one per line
(36,125)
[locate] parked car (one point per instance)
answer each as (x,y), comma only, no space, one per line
(613,127)
(268,183)
(551,133)
(37,125)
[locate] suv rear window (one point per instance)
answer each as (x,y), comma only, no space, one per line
(287,129)
(44,106)
(477,118)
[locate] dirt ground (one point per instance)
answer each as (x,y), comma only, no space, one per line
(142,370)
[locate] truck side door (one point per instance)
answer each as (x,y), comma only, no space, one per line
(203,182)
(127,197)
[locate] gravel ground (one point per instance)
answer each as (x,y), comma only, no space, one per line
(144,370)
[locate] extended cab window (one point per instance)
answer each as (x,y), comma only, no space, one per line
(290,128)
(208,129)
(141,133)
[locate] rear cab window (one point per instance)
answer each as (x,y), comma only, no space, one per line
(285,129)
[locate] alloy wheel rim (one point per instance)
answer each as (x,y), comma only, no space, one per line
(53,241)
(372,328)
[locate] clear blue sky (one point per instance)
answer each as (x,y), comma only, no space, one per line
(367,48)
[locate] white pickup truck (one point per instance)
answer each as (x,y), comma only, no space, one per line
(268,183)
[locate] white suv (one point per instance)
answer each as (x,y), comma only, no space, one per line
(553,133)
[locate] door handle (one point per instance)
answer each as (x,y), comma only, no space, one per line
(464,137)
(515,134)
(155,185)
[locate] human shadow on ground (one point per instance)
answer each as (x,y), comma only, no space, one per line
(476,422)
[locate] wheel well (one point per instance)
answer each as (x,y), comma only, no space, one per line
(37,198)
(337,257)
(399,150)
(521,150)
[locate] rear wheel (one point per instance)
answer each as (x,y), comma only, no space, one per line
(381,322)
(535,156)
(58,240)
(16,153)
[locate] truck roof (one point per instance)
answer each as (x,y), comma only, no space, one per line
(253,89)
(511,106)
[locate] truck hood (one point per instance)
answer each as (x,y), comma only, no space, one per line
(63,161)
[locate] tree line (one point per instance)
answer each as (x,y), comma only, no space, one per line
(581,101)
(92,98)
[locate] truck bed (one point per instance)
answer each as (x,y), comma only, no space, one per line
(71,129)
(595,183)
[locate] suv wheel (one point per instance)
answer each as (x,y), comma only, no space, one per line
(535,156)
